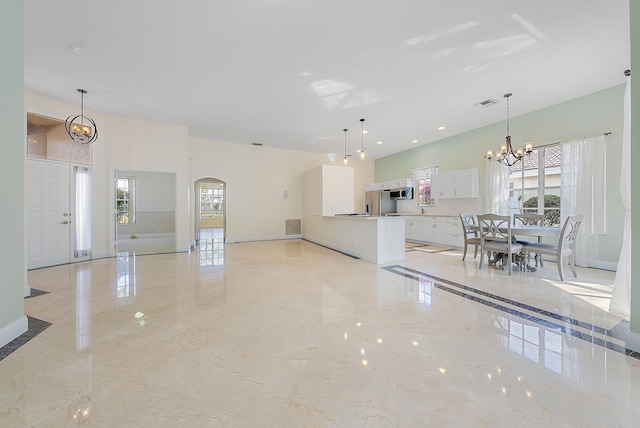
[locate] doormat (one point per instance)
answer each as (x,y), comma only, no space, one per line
(428,249)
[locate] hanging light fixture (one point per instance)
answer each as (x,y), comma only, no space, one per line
(82,129)
(362,155)
(507,155)
(345,161)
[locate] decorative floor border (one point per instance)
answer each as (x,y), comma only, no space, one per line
(35,327)
(613,338)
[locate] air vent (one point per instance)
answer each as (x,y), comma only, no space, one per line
(486,103)
(257,144)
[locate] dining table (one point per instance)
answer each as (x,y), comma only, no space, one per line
(526,230)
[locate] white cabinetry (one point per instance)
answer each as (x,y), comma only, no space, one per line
(328,190)
(462,183)
(438,230)
(389,185)
(414,229)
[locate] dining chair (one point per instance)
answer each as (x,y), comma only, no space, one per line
(530,219)
(495,236)
(470,236)
(566,246)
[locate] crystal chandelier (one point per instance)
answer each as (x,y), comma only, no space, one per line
(82,129)
(507,155)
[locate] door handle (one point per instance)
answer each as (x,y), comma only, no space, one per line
(66,222)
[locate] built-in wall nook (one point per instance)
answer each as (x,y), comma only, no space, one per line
(145,216)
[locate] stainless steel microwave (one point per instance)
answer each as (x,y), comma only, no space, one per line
(404,193)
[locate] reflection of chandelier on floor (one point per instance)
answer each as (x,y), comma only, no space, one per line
(508,156)
(82,129)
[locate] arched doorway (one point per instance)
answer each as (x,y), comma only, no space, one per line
(210,209)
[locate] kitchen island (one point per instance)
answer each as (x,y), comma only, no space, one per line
(376,239)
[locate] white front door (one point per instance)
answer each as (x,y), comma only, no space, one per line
(48,214)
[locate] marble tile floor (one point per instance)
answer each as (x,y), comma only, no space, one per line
(289,334)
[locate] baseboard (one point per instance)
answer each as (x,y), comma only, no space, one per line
(262,238)
(13,330)
(633,341)
(27,290)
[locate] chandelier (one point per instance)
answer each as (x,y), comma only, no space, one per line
(82,129)
(507,155)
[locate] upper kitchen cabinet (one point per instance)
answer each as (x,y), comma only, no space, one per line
(462,183)
(399,183)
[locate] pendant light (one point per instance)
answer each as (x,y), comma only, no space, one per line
(507,155)
(345,161)
(82,129)
(362,155)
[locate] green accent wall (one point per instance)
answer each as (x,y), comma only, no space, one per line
(12,141)
(585,116)
(634,6)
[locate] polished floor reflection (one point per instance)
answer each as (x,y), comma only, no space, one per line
(288,333)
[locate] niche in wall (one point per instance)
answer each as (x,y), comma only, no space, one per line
(146,212)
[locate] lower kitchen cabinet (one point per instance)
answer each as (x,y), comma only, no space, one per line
(437,230)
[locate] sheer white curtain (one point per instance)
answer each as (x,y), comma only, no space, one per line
(583,192)
(621,298)
(82,220)
(497,182)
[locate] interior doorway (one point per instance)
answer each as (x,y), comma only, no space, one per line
(210,210)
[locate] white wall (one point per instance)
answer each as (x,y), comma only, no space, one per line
(257,178)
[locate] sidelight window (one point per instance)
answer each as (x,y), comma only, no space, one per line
(125,200)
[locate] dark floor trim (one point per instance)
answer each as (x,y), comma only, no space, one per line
(36,327)
(35,293)
(542,317)
(332,249)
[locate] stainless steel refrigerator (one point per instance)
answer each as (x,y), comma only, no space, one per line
(378,203)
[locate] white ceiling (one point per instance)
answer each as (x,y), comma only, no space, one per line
(294,73)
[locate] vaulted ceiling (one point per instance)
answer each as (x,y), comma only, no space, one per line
(294,73)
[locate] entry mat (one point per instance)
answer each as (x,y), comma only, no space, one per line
(411,246)
(613,338)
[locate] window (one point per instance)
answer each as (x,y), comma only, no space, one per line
(211,202)
(125,200)
(534,184)
(422,180)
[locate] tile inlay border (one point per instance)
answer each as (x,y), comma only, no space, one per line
(35,327)
(563,323)
(35,293)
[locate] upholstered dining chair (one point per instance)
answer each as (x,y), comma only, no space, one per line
(470,236)
(530,219)
(566,246)
(495,236)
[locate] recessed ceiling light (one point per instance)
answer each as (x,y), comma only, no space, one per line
(442,128)
(74,48)
(414,141)
(365,131)
(379,142)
